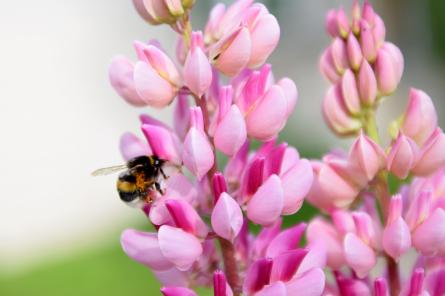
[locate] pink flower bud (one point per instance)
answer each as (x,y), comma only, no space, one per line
(420,118)
(379,31)
(320,230)
(162,142)
(266,235)
(367,42)
(232,53)
(429,236)
(380,287)
(336,115)
(356,16)
(143,247)
(331,23)
(402,157)
(177,291)
(232,17)
(131,146)
(296,183)
(368,13)
(388,71)
(159,10)
(419,209)
(219,185)
(354,51)
(286,240)
(327,66)
(350,92)
(227,218)
(364,227)
(359,256)
(197,70)
(257,276)
(236,164)
(142,11)
(367,84)
(396,235)
(230,133)
(367,156)
(267,119)
(186,217)
(198,154)
(311,283)
(431,155)
(120,74)
(343,23)
(264,33)
(220,285)
(169,240)
(416,282)
(339,55)
(266,204)
(211,29)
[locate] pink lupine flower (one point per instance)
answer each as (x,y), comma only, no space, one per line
(429,236)
(264,33)
(227,218)
(198,155)
(197,69)
(355,55)
(232,53)
(350,93)
(359,255)
(402,157)
(367,42)
(327,67)
(121,78)
(339,55)
(420,117)
(367,156)
(396,235)
(367,84)
(431,156)
(388,69)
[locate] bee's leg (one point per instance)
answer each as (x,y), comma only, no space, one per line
(158,188)
(163,174)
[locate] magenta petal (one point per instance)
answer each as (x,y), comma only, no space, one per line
(197,154)
(267,119)
(257,276)
(177,291)
(286,264)
(310,283)
(186,217)
(162,142)
(266,204)
(120,74)
(169,240)
(227,218)
(230,133)
(131,146)
(286,240)
(359,256)
(143,247)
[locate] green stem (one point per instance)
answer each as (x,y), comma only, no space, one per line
(370,125)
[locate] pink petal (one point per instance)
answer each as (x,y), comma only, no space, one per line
(198,153)
(257,276)
(120,74)
(367,84)
(264,238)
(161,142)
(186,217)
(197,72)
(230,133)
(327,67)
(143,247)
(339,55)
(266,120)
(387,72)
(266,204)
(177,291)
(286,264)
(290,93)
(367,156)
(172,277)
(429,236)
(286,240)
(151,87)
(162,64)
(350,92)
(264,37)
(296,183)
(354,51)
(396,238)
(131,146)
(402,156)
(359,256)
(276,289)
(315,258)
(310,283)
(227,218)
(169,240)
(432,155)
(142,11)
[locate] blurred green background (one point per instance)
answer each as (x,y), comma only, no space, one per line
(99,267)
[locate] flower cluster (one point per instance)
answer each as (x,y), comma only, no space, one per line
(376,203)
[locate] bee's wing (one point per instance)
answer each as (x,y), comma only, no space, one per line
(109,170)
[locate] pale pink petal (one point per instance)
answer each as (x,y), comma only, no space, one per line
(310,283)
(290,93)
(152,88)
(161,142)
(131,146)
(198,154)
(429,236)
(350,92)
(227,218)
(432,155)
(275,289)
(296,183)
(396,238)
(143,247)
(315,258)
(120,74)
(169,240)
(230,133)
(359,256)
(286,240)
(402,156)
(266,204)
(197,72)
(172,277)
(286,264)
(367,156)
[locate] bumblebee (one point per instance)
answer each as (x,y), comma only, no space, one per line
(139,180)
